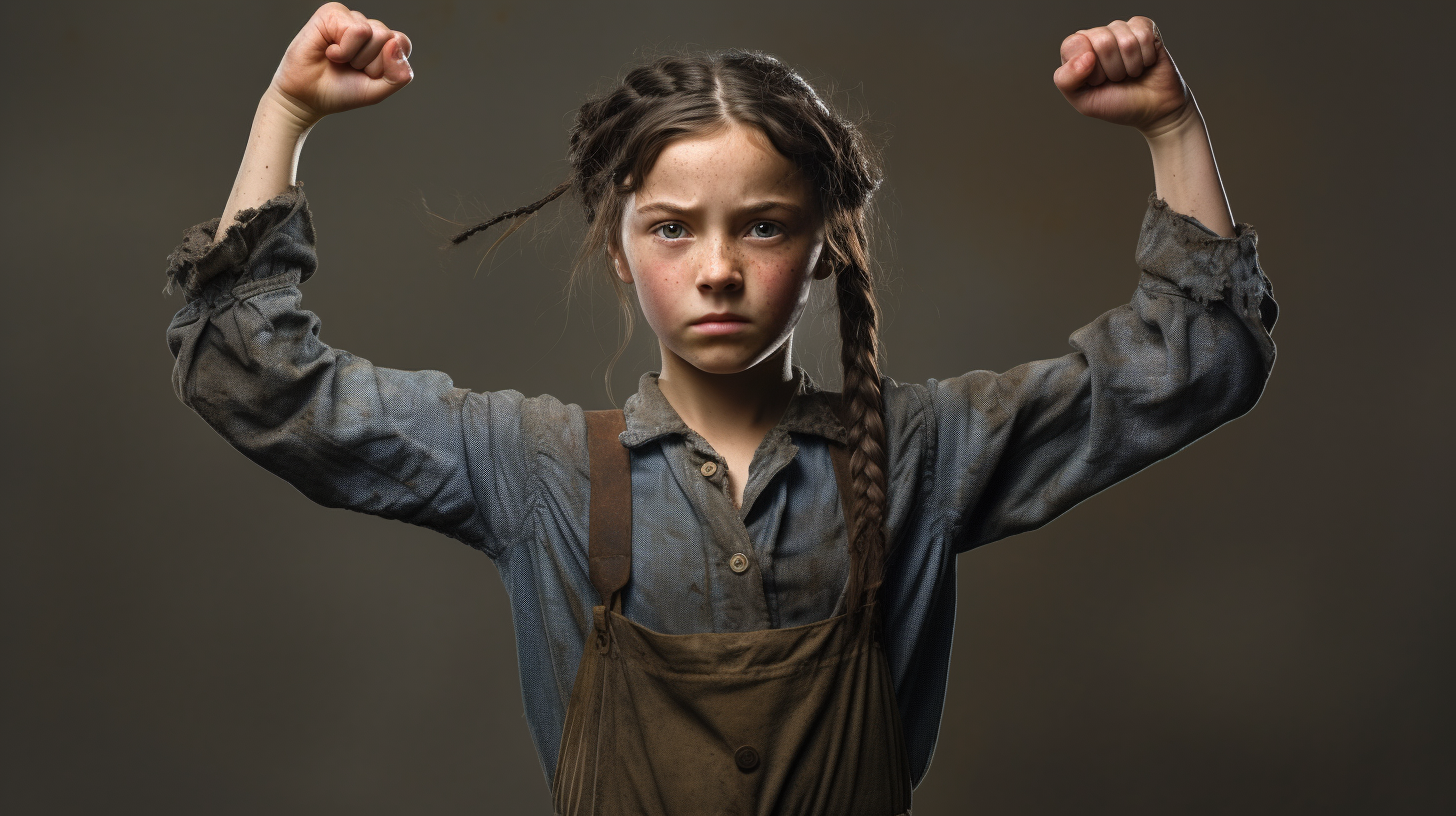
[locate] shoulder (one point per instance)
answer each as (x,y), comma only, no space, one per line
(554,433)
(522,439)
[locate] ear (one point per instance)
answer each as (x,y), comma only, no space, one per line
(822,269)
(619,264)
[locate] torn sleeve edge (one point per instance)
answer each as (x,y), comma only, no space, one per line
(201,258)
(1204,266)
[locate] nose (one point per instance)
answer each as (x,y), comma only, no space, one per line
(721,270)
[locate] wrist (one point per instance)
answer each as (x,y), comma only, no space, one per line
(284,114)
(1176,127)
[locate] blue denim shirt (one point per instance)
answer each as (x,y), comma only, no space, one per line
(972,459)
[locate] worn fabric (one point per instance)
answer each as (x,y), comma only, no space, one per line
(796,720)
(972,458)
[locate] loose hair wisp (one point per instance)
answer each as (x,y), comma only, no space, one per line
(616,140)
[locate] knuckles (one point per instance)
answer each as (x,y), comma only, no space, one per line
(1070,46)
(1117,36)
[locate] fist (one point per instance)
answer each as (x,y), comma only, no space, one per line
(1121,72)
(341,60)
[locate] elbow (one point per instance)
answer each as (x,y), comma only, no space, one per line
(1234,378)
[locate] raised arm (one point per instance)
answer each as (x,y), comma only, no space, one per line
(404,445)
(1190,351)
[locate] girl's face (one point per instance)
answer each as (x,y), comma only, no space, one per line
(721,241)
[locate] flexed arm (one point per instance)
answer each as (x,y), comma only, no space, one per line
(404,445)
(339,61)
(1122,73)
(1190,351)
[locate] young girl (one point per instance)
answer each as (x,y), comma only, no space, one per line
(737,594)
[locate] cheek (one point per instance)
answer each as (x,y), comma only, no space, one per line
(652,301)
(655,289)
(787,285)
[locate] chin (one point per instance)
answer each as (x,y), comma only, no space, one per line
(719,360)
(727,358)
(720,366)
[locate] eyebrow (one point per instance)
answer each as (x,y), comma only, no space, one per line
(756,207)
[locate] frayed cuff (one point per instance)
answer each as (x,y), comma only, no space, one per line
(1204,265)
(205,268)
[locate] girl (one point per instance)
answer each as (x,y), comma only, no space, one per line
(736,594)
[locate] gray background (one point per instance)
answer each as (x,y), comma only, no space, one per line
(1257,625)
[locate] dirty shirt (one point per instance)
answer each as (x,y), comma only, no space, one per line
(972,459)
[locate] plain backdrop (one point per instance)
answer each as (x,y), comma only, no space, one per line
(1259,624)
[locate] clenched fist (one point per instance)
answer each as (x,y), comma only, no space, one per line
(340,60)
(1121,72)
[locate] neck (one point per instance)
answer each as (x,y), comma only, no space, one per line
(712,404)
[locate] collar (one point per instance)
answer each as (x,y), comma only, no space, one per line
(810,411)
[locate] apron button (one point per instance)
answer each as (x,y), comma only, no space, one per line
(738,563)
(708,469)
(747,758)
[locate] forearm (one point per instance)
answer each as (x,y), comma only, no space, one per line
(344,432)
(1185,173)
(270,163)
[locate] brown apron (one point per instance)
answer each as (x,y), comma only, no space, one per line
(780,721)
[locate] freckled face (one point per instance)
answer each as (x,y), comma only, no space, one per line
(721,242)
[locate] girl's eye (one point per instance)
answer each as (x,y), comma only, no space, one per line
(671,231)
(765,229)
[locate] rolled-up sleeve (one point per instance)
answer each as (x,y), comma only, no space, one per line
(405,445)
(1191,351)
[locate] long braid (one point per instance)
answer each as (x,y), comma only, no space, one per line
(864,412)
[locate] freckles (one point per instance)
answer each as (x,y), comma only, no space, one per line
(781,275)
(782,282)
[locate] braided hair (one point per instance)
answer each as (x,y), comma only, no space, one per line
(616,140)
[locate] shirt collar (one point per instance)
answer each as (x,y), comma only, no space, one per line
(810,411)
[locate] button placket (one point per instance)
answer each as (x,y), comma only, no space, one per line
(739,605)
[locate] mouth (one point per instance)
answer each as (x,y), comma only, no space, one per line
(720,323)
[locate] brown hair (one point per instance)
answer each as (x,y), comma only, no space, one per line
(617,138)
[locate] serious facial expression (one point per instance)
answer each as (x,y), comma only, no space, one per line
(721,242)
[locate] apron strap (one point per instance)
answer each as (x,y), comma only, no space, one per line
(609,542)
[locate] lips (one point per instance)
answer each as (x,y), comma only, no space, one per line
(720,323)
(720,317)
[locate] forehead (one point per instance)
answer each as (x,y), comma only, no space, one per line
(736,162)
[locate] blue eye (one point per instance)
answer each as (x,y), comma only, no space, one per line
(671,231)
(765,229)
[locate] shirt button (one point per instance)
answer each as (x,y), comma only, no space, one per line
(708,469)
(746,758)
(738,563)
